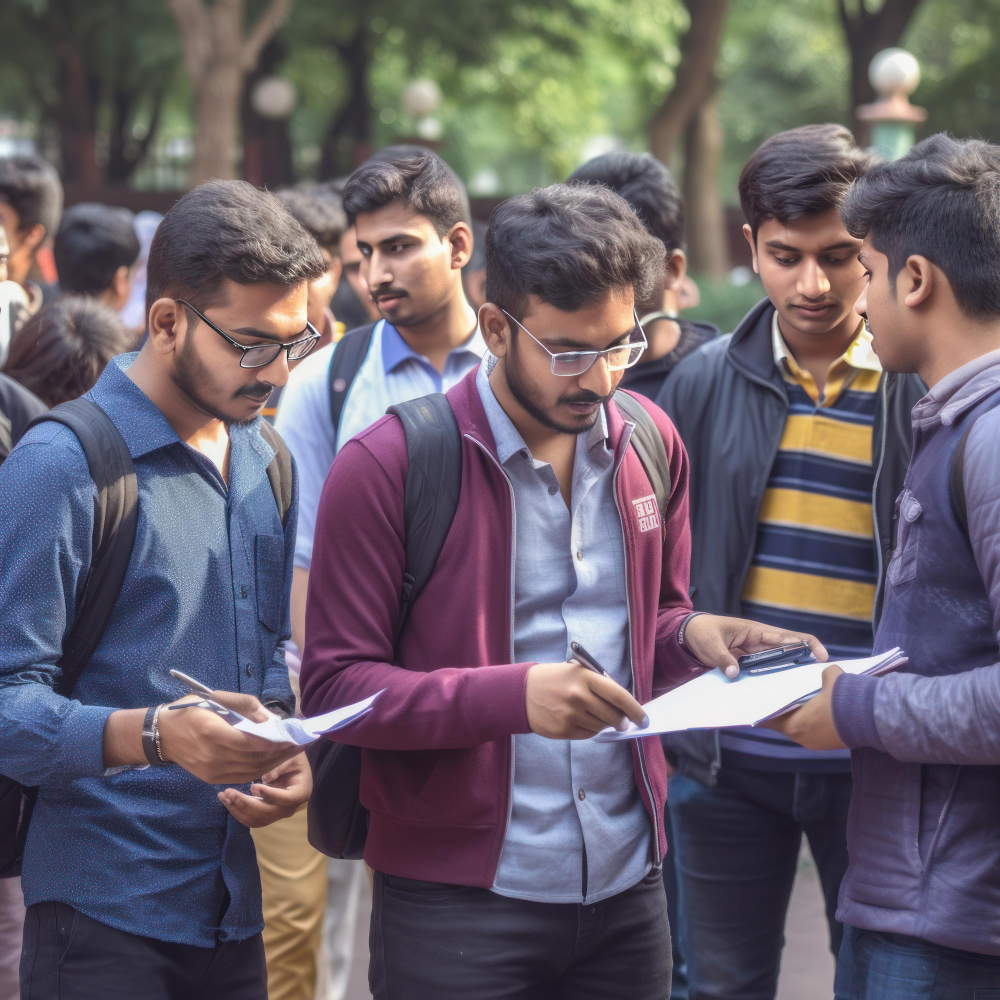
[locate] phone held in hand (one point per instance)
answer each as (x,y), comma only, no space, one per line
(778,658)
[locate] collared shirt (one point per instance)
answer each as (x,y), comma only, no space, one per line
(150,851)
(392,373)
(814,564)
(578,831)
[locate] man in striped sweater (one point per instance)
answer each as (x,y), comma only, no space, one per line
(798,443)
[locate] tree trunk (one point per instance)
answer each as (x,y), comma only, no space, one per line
(217,108)
(267,148)
(708,252)
(76,117)
(347,143)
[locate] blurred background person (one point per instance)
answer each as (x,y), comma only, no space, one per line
(13,298)
(474,273)
(96,248)
(134,311)
(61,351)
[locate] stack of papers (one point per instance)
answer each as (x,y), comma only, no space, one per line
(300,731)
(713,701)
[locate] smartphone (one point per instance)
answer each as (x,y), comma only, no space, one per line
(779,656)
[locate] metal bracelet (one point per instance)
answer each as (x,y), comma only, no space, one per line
(156,733)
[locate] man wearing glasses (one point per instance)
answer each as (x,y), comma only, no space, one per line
(513,856)
(139,872)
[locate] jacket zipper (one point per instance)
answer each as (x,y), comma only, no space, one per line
(513,551)
(631,649)
(881,458)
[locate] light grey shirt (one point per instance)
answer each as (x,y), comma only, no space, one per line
(578,831)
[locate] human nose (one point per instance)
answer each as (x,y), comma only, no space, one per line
(275,373)
(375,271)
(812,280)
(861,305)
(597,378)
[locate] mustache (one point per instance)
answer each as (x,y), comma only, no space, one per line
(257,391)
(586,397)
(388,293)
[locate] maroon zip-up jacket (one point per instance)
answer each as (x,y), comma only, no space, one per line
(436,759)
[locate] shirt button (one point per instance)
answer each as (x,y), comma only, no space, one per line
(524,453)
(249,670)
(223,936)
(581,794)
(579,555)
(243,592)
(553,490)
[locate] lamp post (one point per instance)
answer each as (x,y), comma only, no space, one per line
(894,73)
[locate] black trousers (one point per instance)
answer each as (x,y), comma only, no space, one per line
(68,956)
(432,941)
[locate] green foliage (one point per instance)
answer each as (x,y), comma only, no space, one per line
(724,304)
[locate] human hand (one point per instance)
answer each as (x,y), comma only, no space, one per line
(278,795)
(717,641)
(211,749)
(811,725)
(568,702)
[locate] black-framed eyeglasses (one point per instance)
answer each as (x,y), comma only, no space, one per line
(569,363)
(260,355)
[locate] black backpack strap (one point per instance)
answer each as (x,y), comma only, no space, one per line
(956,480)
(348,357)
(649,447)
(116,509)
(433,483)
(279,470)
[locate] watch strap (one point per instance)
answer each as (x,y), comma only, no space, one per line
(149,736)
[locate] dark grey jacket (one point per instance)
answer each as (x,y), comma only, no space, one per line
(729,404)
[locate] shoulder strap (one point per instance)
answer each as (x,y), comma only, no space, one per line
(433,483)
(279,470)
(649,447)
(956,480)
(116,508)
(348,357)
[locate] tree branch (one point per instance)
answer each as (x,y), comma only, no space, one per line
(194,26)
(267,24)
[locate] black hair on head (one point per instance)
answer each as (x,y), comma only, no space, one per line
(319,211)
(417,178)
(228,229)
(801,172)
(92,242)
(940,201)
(647,185)
(31,186)
(571,245)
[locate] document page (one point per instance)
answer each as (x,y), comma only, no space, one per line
(713,701)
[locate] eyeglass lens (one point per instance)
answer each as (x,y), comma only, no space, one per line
(264,354)
(577,362)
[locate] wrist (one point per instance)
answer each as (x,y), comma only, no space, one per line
(123,738)
(682,632)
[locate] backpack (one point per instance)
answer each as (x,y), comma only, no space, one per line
(337,821)
(349,355)
(116,509)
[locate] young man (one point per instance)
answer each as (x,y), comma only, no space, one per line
(647,185)
(31,198)
(509,861)
(922,893)
(143,879)
(798,444)
(96,247)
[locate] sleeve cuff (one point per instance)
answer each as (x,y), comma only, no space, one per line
(854,711)
(82,744)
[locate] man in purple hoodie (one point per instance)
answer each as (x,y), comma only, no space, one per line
(921,898)
(514,857)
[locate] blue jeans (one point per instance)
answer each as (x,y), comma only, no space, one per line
(876,966)
(736,848)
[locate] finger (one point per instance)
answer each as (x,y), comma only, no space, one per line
(605,713)
(249,810)
(617,696)
(282,797)
(830,675)
(294,765)
(245,704)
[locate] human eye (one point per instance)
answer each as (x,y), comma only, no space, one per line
(786,261)
(399,247)
(365,251)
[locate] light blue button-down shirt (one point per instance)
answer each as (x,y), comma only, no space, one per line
(578,830)
(150,851)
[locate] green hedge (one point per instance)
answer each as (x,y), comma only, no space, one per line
(725,304)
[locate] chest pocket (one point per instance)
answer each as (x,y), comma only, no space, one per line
(903,566)
(269,556)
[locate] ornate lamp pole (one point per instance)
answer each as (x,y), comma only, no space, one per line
(894,73)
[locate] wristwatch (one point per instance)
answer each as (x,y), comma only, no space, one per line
(151,736)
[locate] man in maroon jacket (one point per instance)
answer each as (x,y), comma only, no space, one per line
(514,857)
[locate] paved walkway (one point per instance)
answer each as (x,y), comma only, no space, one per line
(806,970)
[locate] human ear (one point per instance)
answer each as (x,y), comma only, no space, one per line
(495,328)
(748,235)
(460,238)
(915,281)
(676,268)
(168,320)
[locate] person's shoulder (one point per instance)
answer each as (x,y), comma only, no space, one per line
(48,460)
(710,357)
(18,405)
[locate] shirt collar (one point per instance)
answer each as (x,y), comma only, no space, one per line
(859,354)
(395,350)
(507,437)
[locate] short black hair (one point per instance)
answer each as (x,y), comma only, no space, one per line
(477,259)
(941,201)
(571,245)
(420,180)
(647,185)
(92,242)
(801,172)
(319,211)
(31,186)
(227,229)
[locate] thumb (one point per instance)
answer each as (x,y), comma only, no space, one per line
(245,704)
(830,675)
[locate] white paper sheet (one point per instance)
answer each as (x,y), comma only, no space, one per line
(713,701)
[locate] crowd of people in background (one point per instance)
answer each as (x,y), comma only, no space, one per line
(825,473)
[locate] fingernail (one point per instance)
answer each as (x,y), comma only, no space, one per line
(645,722)
(732,671)
(622,726)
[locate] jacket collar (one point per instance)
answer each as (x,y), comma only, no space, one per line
(751,347)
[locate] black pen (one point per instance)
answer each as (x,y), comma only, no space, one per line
(586,660)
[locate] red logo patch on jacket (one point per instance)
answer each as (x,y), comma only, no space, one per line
(647,513)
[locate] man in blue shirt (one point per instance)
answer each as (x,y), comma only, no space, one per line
(142,880)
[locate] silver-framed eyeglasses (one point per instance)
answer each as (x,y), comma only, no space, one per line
(569,363)
(261,355)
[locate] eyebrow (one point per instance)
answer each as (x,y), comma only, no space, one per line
(577,346)
(247,331)
(842,245)
(389,240)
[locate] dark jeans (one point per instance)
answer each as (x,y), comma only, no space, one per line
(678,980)
(431,941)
(875,966)
(736,848)
(68,956)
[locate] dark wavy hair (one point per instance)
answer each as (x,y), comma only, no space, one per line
(571,245)
(31,186)
(940,201)
(92,242)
